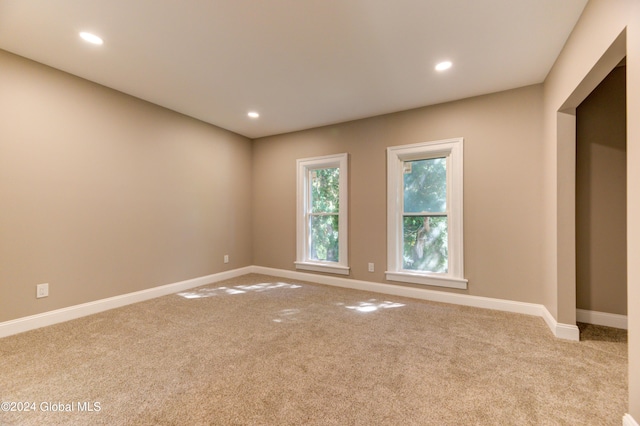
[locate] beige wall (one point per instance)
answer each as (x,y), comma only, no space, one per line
(103,194)
(633,207)
(502,194)
(605,33)
(601,197)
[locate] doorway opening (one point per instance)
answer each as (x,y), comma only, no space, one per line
(601,203)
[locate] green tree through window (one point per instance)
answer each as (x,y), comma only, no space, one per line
(425,213)
(424,218)
(324,207)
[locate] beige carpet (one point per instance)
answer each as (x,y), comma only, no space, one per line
(260,350)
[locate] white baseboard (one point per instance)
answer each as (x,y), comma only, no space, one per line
(563,331)
(560,330)
(602,318)
(627,420)
(72,312)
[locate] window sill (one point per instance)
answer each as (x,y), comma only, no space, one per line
(427,279)
(323,267)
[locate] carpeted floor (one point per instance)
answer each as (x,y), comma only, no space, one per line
(261,350)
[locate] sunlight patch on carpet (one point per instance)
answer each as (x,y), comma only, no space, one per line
(239,289)
(287,315)
(373,305)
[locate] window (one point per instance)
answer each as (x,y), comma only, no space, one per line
(322,214)
(424,214)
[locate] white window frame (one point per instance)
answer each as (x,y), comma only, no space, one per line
(452,150)
(305,167)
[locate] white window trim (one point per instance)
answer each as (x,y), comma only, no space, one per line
(304,166)
(452,149)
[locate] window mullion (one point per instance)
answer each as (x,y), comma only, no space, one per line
(425,214)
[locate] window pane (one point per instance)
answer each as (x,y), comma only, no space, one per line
(425,185)
(325,190)
(426,246)
(324,238)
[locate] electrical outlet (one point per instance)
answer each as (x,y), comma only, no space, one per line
(226,258)
(371,268)
(42,290)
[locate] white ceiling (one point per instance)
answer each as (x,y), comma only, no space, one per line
(300,63)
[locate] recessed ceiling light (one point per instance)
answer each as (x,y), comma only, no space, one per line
(443,66)
(253,114)
(91,38)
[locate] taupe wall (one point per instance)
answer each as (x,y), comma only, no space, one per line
(502,194)
(601,197)
(604,34)
(102,194)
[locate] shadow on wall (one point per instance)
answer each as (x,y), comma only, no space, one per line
(600,333)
